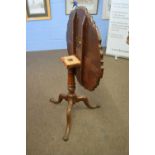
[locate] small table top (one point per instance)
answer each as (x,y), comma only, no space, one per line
(84,41)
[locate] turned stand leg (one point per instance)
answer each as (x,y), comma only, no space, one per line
(60,98)
(69,119)
(86,102)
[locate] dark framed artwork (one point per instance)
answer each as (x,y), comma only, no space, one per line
(38,9)
(91,5)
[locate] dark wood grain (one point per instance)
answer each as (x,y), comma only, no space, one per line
(84,41)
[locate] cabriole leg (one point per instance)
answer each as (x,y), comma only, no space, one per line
(68,117)
(86,102)
(60,98)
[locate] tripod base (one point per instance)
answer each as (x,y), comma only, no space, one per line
(71,62)
(72,99)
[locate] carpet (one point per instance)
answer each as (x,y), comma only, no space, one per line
(103,131)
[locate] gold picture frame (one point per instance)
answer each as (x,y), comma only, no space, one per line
(91,5)
(38,10)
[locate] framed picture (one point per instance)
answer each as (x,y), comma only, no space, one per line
(91,5)
(106,9)
(38,9)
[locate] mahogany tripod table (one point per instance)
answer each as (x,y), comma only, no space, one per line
(85,60)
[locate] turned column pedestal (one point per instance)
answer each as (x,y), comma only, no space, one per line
(71,62)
